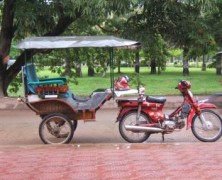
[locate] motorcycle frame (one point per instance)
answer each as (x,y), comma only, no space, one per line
(149,108)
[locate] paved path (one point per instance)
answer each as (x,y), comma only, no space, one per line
(112,161)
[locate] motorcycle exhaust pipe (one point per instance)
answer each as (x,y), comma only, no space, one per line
(143,129)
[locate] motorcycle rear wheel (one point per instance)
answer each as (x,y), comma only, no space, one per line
(212,132)
(56,128)
(130,136)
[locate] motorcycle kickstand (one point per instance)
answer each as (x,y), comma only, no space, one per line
(163,137)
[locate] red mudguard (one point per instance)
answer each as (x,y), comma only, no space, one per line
(193,111)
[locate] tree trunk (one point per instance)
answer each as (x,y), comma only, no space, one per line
(91,72)
(218,65)
(153,67)
(186,71)
(78,70)
(104,74)
(204,66)
(9,74)
(118,66)
(68,67)
(104,70)
(159,70)
(6,35)
(3,91)
(159,67)
(137,62)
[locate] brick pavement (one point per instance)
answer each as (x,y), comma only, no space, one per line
(112,161)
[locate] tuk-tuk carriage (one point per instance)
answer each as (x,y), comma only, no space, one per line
(51,98)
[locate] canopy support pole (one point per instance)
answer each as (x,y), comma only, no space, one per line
(111,72)
(23,76)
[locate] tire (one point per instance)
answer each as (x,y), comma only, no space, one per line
(56,129)
(130,119)
(74,124)
(214,124)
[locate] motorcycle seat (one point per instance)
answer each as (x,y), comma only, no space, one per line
(152,99)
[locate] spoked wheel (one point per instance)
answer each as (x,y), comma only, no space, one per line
(56,129)
(208,128)
(132,136)
(74,122)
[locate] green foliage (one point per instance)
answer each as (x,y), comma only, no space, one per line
(16,84)
(43,16)
(203,82)
(175,52)
(135,80)
(194,26)
(156,50)
(214,22)
(212,65)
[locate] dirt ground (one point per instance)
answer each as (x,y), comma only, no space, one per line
(20,127)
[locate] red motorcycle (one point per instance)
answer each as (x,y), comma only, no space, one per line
(140,118)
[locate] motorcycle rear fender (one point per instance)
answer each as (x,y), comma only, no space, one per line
(193,111)
(125,110)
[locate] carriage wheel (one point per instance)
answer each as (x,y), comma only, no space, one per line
(74,124)
(56,128)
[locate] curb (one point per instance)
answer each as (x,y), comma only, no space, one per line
(171,103)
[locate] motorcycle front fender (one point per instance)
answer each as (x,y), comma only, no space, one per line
(193,111)
(206,106)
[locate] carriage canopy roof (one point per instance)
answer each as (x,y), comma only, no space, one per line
(58,42)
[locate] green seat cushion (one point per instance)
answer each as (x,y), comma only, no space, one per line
(59,82)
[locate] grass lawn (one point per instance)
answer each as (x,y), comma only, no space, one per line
(203,82)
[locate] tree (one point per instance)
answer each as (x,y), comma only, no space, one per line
(16,23)
(144,25)
(175,54)
(151,22)
(187,28)
(218,63)
(175,21)
(6,35)
(45,18)
(214,22)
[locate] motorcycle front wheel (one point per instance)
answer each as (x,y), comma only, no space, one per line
(210,130)
(131,136)
(56,129)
